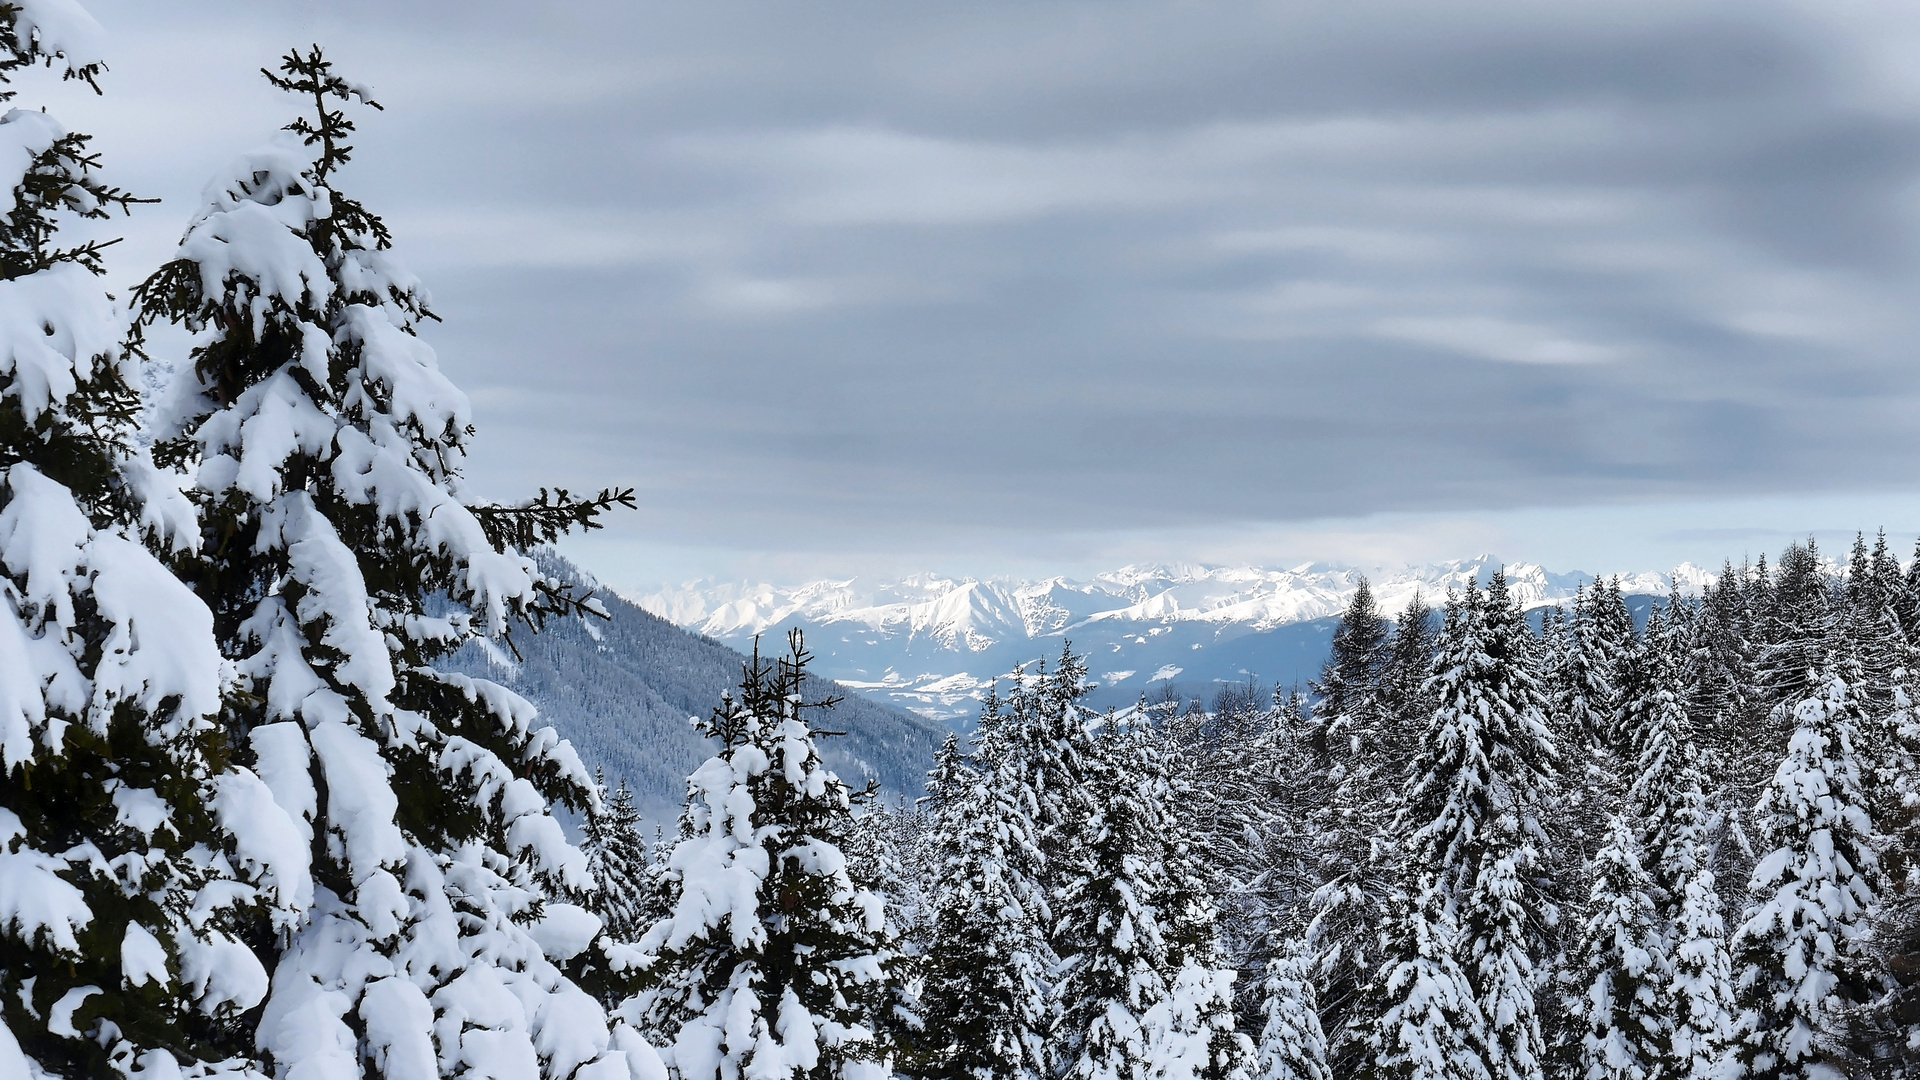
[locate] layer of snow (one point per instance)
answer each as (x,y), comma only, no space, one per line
(971,615)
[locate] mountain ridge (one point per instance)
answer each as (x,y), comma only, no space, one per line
(932,643)
(624,690)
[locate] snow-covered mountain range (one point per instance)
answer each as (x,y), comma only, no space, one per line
(932,643)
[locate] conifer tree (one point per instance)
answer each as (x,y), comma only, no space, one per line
(1114,957)
(133,856)
(1798,625)
(1801,953)
(1625,967)
(1292,1044)
(1723,685)
(1409,662)
(1619,644)
(984,1002)
(1031,743)
(1359,730)
(1503,916)
(1472,811)
(1584,689)
(1699,998)
(1667,803)
(1430,1027)
(774,961)
(1909,608)
(342,555)
(1348,712)
(1665,799)
(1192,1034)
(617,860)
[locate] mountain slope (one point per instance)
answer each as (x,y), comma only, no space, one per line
(624,690)
(931,644)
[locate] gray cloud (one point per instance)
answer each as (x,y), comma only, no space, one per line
(813,275)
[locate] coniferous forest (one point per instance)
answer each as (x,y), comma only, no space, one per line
(252,824)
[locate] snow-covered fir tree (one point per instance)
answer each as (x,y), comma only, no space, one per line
(1114,960)
(1409,662)
(1870,623)
(1583,690)
(1698,1000)
(1031,743)
(124,828)
(1799,622)
(617,860)
(1348,800)
(1617,643)
(1192,1033)
(1292,1044)
(342,554)
(1667,806)
(1348,710)
(1800,955)
(775,961)
(1665,800)
(1625,966)
(984,1004)
(1429,1026)
(1472,812)
(1723,692)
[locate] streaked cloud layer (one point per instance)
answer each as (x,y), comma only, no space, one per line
(867,278)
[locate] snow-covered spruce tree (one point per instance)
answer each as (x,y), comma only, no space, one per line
(1348,708)
(1137,992)
(1798,623)
(1870,623)
(1114,963)
(1472,811)
(1031,749)
(1292,1044)
(1723,691)
(1800,955)
(1239,809)
(1668,807)
(984,1000)
(1617,642)
(1665,801)
(1430,1027)
(875,858)
(1583,692)
(1878,665)
(1625,967)
(342,555)
(775,962)
(1699,997)
(1886,1032)
(1425,1018)
(1354,786)
(122,920)
(617,859)
(1505,920)
(1409,662)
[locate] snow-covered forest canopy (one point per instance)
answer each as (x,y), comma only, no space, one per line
(255,822)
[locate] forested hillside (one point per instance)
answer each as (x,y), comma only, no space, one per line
(1560,847)
(1594,842)
(625,690)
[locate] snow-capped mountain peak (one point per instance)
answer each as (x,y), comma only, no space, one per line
(915,639)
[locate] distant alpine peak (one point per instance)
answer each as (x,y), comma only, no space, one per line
(968,614)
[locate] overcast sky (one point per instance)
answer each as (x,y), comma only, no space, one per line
(1042,286)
